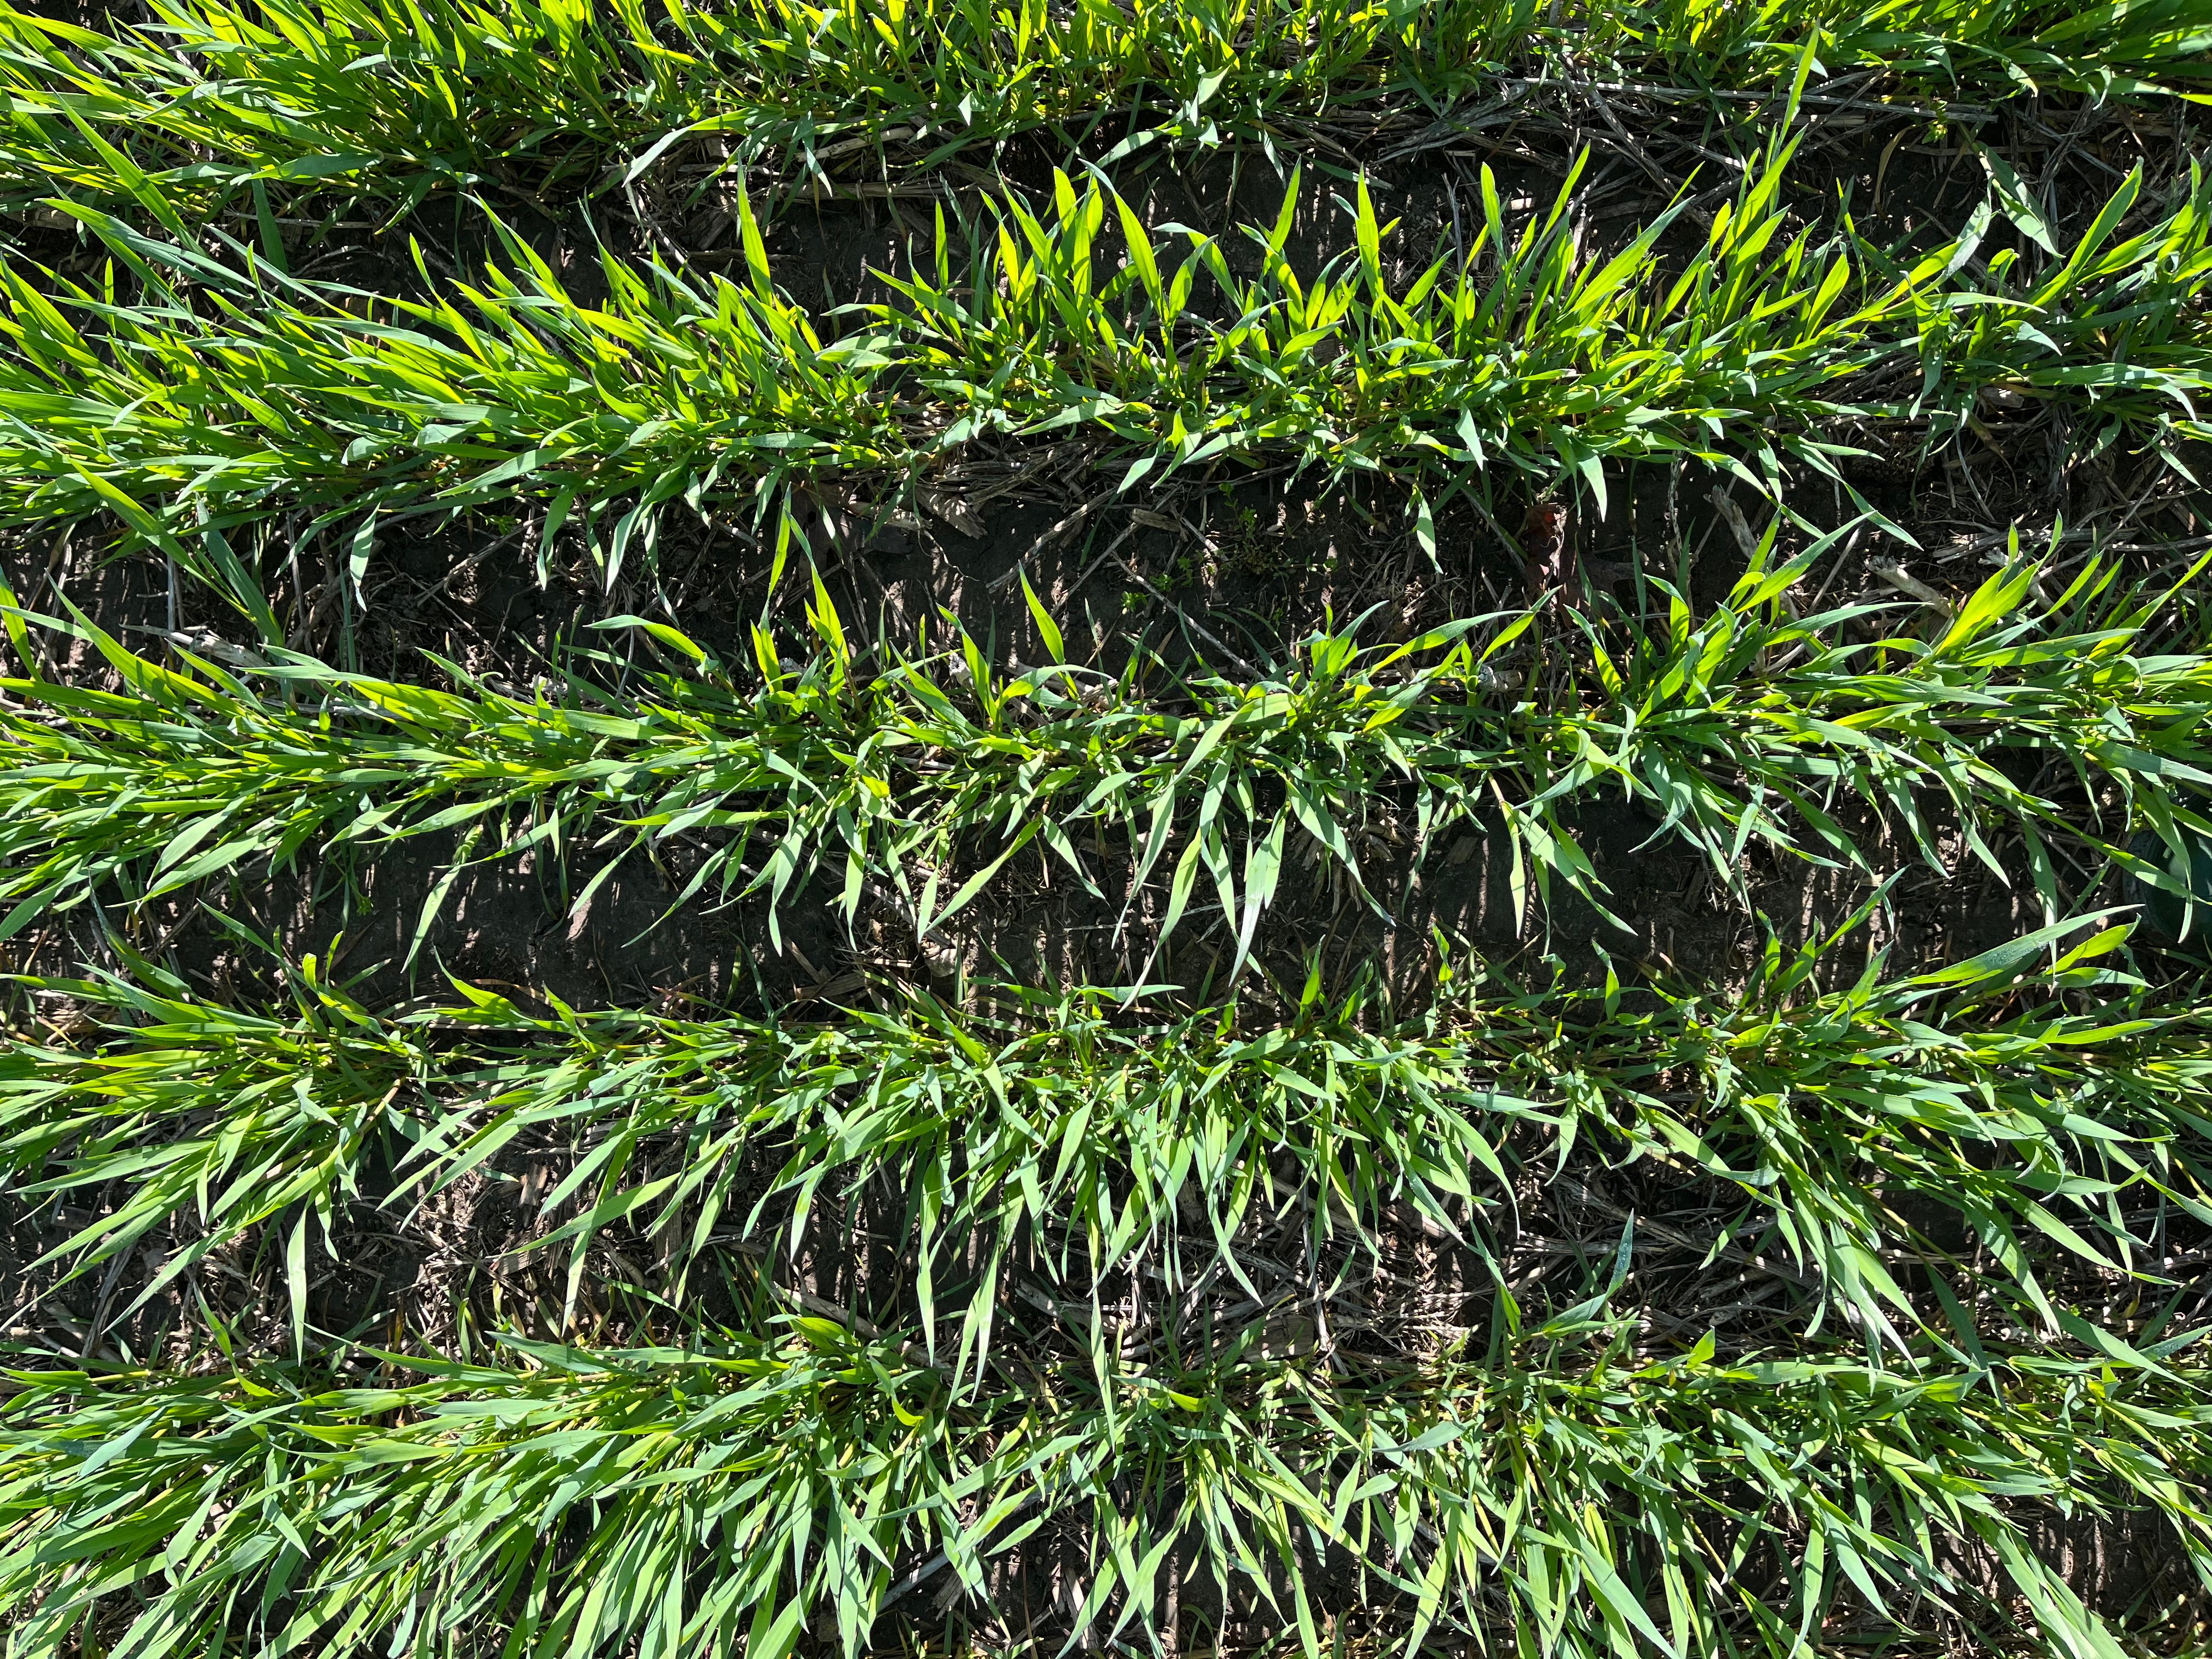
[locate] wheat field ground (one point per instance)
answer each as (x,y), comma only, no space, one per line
(1003,826)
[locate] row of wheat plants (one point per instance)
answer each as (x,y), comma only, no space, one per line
(380,102)
(752,1487)
(1750,727)
(224,393)
(1746,726)
(227,392)
(1990,1090)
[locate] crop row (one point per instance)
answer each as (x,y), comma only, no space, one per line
(2057,715)
(256,106)
(2036,1102)
(236,394)
(724,1498)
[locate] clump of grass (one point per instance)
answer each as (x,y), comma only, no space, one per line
(1750,725)
(294,1107)
(719,1498)
(1989,1091)
(253,394)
